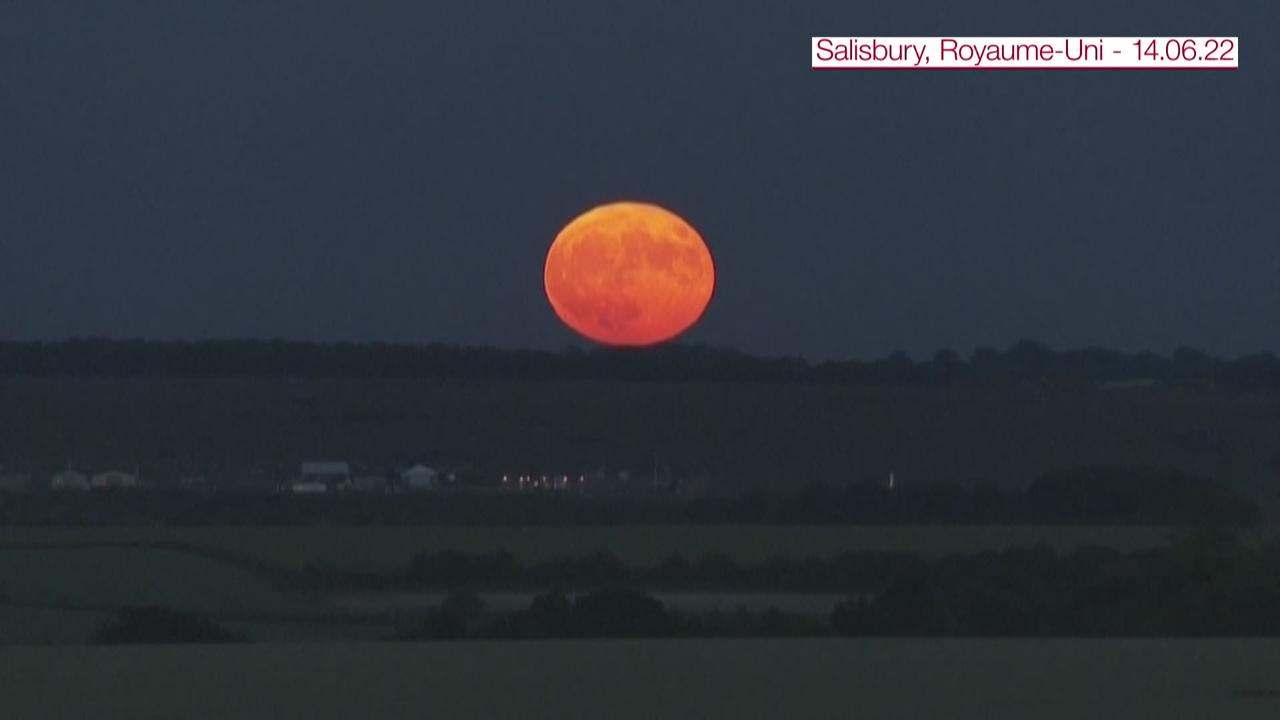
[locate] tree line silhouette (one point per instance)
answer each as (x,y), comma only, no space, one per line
(1026,360)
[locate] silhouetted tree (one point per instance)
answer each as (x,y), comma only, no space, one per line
(162,625)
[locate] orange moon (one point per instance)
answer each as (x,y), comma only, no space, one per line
(629,274)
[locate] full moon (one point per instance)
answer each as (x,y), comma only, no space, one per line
(629,274)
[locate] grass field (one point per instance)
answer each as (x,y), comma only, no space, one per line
(48,626)
(60,595)
(59,584)
(653,679)
(121,576)
(384,549)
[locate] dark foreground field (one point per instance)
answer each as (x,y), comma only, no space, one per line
(66,586)
(734,433)
(385,549)
(57,585)
(653,679)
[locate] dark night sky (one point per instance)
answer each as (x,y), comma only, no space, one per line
(331,170)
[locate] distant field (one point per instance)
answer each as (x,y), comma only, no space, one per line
(653,679)
(47,626)
(58,595)
(60,583)
(383,549)
(780,435)
(119,576)
(61,594)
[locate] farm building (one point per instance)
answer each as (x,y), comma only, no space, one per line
(69,480)
(419,478)
(113,479)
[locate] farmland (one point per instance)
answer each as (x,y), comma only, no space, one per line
(59,584)
(653,678)
(763,434)
(389,549)
(109,577)
(57,595)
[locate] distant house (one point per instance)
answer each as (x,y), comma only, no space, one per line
(319,477)
(420,478)
(113,479)
(69,480)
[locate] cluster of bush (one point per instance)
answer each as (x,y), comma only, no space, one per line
(851,572)
(605,613)
(717,571)
(152,625)
(608,613)
(1209,584)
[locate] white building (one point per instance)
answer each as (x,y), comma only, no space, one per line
(69,480)
(419,478)
(113,479)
